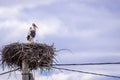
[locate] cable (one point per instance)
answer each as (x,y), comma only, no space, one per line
(64,50)
(9,71)
(87,72)
(107,63)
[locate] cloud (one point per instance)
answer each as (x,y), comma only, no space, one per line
(65,76)
(87,21)
(26,3)
(49,26)
(15,9)
(59,76)
(77,33)
(9,12)
(84,57)
(86,77)
(13,29)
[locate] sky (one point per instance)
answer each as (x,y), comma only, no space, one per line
(89,28)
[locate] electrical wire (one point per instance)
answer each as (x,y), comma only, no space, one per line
(9,71)
(99,74)
(107,63)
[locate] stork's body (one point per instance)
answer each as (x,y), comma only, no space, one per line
(32,33)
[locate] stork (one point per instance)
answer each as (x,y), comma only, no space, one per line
(32,33)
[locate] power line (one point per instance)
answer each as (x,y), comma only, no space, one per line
(107,63)
(64,50)
(9,71)
(87,72)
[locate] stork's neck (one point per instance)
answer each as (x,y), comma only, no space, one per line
(33,28)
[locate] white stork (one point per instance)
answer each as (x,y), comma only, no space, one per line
(32,33)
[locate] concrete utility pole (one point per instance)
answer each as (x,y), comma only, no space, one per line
(26,75)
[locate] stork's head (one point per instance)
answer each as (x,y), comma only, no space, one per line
(34,25)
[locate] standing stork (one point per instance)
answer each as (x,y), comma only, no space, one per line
(32,33)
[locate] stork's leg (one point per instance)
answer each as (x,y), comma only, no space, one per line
(31,40)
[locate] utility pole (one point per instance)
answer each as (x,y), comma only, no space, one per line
(26,75)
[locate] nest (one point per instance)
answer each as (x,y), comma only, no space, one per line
(36,55)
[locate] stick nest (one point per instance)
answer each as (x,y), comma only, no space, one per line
(36,55)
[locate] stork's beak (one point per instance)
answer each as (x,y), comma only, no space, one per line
(35,26)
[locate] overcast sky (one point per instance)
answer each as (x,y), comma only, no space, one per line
(89,28)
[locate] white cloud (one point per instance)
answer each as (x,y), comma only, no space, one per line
(33,3)
(82,57)
(59,76)
(15,8)
(94,21)
(9,12)
(66,76)
(49,26)
(86,77)
(13,29)
(79,33)
(26,3)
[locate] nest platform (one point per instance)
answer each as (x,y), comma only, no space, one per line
(36,55)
